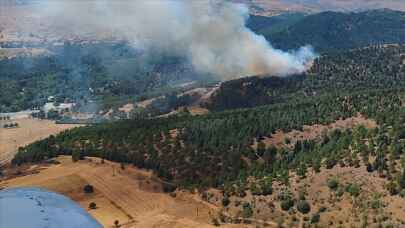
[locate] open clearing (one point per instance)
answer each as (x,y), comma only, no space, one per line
(29,130)
(132,196)
(311,132)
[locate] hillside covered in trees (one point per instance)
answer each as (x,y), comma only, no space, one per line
(226,149)
(215,149)
(332,31)
(272,25)
(364,69)
(146,138)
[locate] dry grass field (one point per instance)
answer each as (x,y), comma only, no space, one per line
(374,207)
(29,130)
(133,197)
(349,211)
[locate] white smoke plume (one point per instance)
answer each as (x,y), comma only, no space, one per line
(211,34)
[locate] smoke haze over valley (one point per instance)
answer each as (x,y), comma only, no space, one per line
(211,35)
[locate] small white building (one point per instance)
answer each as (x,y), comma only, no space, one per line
(51,99)
(60,108)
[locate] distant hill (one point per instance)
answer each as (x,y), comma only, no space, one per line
(269,25)
(347,5)
(335,31)
(275,7)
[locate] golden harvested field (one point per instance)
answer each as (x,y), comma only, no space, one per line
(29,130)
(133,197)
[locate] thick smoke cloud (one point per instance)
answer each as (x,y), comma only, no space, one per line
(212,35)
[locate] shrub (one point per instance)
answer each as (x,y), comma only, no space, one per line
(215,222)
(401,180)
(301,195)
(222,217)
(317,166)
(88,189)
(353,189)
(286,204)
(356,163)
(333,184)
(267,189)
(402,193)
(92,205)
(322,209)
(392,188)
(168,187)
(173,194)
(116,223)
(315,218)
(375,204)
(330,163)
(284,194)
(75,155)
(225,201)
(340,192)
(370,168)
(247,210)
(255,190)
(303,207)
(241,193)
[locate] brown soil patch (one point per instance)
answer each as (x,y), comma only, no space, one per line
(146,103)
(203,94)
(193,110)
(174,133)
(315,131)
(126,108)
(196,110)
